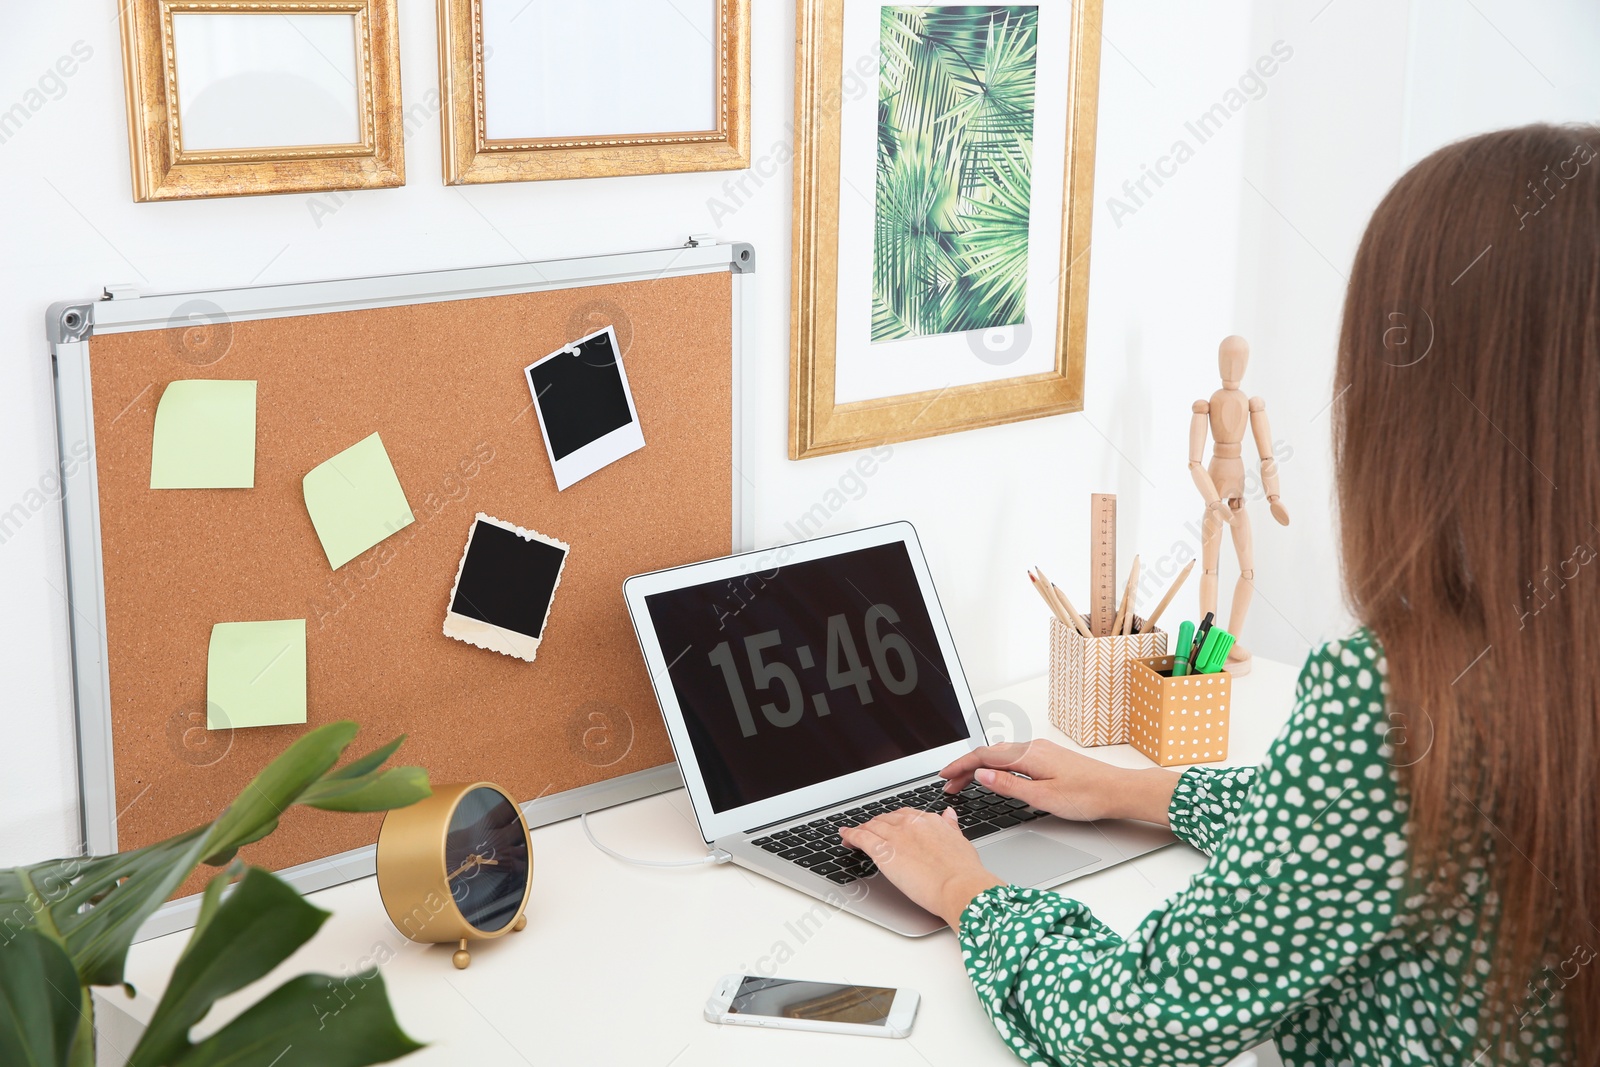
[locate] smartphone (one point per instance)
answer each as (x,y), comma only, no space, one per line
(786,1004)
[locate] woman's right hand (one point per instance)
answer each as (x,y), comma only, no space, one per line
(1065,783)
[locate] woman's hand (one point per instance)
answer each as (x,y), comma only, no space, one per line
(926,857)
(1065,783)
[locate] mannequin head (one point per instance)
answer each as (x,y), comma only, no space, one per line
(1233,356)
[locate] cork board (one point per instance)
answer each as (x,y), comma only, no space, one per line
(449,398)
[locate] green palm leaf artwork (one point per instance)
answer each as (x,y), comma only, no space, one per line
(954,169)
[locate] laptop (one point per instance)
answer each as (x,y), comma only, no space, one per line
(815,685)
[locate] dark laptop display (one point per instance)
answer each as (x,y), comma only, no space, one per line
(806,672)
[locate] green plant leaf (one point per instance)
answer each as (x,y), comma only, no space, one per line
(99,904)
(394,788)
(254,928)
(315,1018)
(270,793)
(993,242)
(211,897)
(40,1001)
(886,325)
(358,768)
(955,132)
(93,907)
(914,262)
(994,83)
(224,856)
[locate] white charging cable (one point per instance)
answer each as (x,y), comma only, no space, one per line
(709,857)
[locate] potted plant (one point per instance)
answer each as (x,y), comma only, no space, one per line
(66,925)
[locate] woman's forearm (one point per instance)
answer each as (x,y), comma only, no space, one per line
(1133,794)
(959,892)
(1147,794)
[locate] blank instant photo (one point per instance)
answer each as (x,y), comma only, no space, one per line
(585,407)
(504,587)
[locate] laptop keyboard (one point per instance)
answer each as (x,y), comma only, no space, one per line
(815,845)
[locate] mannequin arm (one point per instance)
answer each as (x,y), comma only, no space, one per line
(1199,426)
(1269,462)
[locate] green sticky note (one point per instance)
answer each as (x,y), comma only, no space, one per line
(355,501)
(205,436)
(256,674)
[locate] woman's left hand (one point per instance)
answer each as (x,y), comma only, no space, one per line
(926,857)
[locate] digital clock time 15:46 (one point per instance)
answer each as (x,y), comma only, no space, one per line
(844,668)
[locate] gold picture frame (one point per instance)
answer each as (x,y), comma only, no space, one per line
(164,170)
(471,157)
(818,425)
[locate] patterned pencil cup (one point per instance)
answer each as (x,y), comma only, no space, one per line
(1089,695)
(1178,720)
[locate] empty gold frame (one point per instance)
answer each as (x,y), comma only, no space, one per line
(165,169)
(471,155)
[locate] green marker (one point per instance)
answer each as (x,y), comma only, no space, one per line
(1215,652)
(1180,663)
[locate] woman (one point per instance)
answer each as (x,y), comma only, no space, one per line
(1411,876)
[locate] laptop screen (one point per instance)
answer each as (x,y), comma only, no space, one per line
(805,672)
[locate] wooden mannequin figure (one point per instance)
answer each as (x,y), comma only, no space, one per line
(1227,415)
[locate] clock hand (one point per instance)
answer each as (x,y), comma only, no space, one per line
(469,863)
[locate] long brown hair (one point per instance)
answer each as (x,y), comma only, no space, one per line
(1467,448)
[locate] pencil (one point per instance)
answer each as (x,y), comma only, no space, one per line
(1058,602)
(1077,619)
(1124,623)
(1172,591)
(1044,594)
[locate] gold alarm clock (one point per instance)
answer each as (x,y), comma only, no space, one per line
(456,867)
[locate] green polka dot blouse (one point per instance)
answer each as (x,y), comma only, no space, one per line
(1297,929)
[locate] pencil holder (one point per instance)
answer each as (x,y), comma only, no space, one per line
(1089,694)
(1178,720)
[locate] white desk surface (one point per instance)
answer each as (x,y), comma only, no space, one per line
(617,961)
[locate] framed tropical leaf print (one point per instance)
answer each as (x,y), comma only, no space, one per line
(944,173)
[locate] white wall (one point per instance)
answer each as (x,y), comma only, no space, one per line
(1250,236)
(1256,233)
(1498,63)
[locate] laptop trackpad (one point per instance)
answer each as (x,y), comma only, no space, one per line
(1031,859)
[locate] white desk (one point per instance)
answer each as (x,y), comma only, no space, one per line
(616,962)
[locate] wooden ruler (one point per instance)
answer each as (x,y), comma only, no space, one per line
(1102,562)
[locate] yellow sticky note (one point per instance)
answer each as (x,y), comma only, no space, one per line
(205,436)
(256,674)
(355,501)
